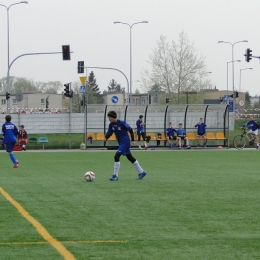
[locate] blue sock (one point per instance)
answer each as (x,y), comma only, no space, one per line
(13,158)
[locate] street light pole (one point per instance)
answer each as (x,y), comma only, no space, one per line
(8,52)
(227,73)
(232,45)
(240,77)
(130,27)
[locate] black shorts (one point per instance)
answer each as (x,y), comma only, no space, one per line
(139,136)
(201,135)
(172,137)
(182,137)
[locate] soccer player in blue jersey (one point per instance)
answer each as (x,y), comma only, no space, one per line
(10,131)
(121,129)
(181,133)
(170,135)
(201,132)
(140,131)
(253,133)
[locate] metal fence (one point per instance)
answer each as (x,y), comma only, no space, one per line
(156,118)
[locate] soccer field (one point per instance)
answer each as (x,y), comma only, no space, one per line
(191,205)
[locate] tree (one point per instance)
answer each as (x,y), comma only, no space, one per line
(247,100)
(18,85)
(51,87)
(176,68)
(115,87)
(22,85)
(94,96)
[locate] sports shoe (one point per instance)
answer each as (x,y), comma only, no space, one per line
(146,147)
(17,162)
(188,147)
(205,146)
(170,145)
(16,166)
(141,175)
(257,147)
(114,178)
(174,145)
(179,147)
(198,146)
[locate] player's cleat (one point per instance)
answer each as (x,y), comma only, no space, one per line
(141,175)
(17,162)
(114,178)
(16,166)
(179,147)
(188,147)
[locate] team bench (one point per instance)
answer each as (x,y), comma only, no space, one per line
(211,136)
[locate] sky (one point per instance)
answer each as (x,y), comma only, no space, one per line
(88,27)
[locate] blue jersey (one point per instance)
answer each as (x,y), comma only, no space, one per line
(9,131)
(170,131)
(140,128)
(201,128)
(251,125)
(180,132)
(120,128)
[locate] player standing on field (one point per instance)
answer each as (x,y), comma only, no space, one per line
(140,131)
(10,131)
(121,129)
(201,132)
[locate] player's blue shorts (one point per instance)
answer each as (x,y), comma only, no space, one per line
(9,147)
(124,148)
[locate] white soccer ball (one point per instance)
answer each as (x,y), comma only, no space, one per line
(90,176)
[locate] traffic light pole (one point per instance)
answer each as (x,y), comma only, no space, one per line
(8,72)
(70,123)
(87,67)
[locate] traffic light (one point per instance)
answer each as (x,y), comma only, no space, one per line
(237,94)
(66,52)
(150,102)
(231,95)
(167,100)
(7,95)
(80,66)
(248,55)
(67,90)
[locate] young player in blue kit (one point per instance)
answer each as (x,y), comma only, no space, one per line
(201,132)
(10,131)
(140,131)
(170,135)
(121,129)
(181,133)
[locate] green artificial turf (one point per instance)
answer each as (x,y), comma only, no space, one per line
(191,205)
